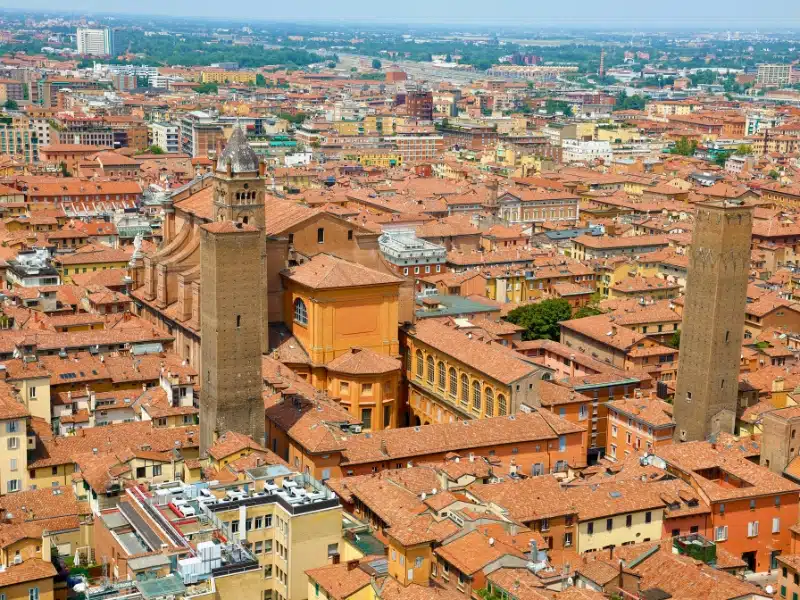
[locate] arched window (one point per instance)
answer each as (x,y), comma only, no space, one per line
(464,390)
(453,383)
(489,395)
(300,312)
(502,410)
(420,364)
(476,396)
(440,370)
(245,220)
(430,369)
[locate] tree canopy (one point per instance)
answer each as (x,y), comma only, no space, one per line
(376,64)
(625,102)
(541,320)
(685,147)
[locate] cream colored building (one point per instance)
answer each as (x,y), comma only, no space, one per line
(13,442)
(287,535)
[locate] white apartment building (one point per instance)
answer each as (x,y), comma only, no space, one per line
(585,151)
(166,136)
(95,42)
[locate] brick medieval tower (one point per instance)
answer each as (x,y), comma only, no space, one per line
(713,321)
(233,306)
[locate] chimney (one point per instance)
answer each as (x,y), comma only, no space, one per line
(571,366)
(352,564)
(335,558)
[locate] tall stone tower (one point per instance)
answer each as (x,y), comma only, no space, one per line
(713,321)
(233,306)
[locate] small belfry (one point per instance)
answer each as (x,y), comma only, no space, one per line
(234,300)
(239,184)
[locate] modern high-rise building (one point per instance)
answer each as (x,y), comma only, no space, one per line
(95,42)
(774,75)
(713,320)
(233,315)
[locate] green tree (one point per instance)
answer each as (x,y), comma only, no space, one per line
(154,149)
(541,320)
(486,594)
(11,104)
(586,311)
(722,158)
(744,149)
(675,340)
(448,58)
(261,81)
(555,106)
(207,88)
(376,64)
(774,174)
(331,65)
(295,119)
(684,147)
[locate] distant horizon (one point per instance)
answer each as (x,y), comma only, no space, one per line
(739,15)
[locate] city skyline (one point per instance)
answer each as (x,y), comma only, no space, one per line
(682,14)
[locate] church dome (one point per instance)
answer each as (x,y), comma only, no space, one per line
(238,154)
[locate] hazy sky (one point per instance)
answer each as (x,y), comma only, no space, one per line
(652,14)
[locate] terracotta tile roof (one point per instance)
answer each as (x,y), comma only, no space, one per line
(93,254)
(155,402)
(339,581)
(472,552)
(408,442)
(605,242)
(598,571)
(519,583)
(10,405)
(598,327)
(702,460)
(231,442)
(363,361)
(393,590)
(651,411)
(56,450)
(551,394)
(28,571)
(496,361)
(325,271)
(526,500)
(598,501)
(681,576)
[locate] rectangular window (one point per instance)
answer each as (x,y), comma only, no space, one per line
(321,235)
(776,525)
(267,521)
(562,443)
(721,534)
(258,523)
(648,517)
(590,528)
(609,524)
(333,549)
(568,539)
(628,520)
(752,529)
(12,426)
(156,470)
(366,418)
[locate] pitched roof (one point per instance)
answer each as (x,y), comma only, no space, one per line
(363,361)
(325,271)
